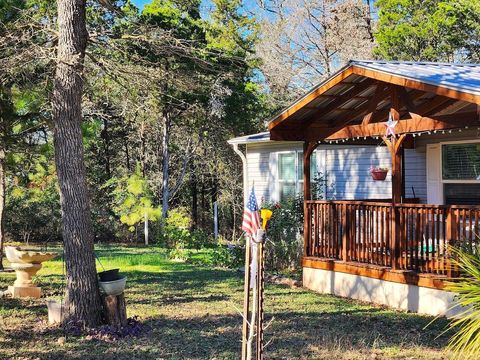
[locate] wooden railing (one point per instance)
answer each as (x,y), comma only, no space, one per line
(400,236)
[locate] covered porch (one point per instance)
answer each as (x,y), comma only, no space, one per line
(391,104)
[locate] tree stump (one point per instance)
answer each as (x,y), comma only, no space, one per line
(115,310)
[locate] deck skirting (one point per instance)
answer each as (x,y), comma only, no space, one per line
(382,286)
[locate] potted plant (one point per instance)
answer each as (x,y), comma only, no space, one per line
(378,173)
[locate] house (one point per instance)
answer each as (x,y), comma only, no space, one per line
(276,169)
(381,241)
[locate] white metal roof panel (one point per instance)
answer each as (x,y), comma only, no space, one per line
(461,77)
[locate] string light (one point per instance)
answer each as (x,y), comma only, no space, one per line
(420,133)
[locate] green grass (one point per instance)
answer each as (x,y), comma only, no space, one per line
(191,313)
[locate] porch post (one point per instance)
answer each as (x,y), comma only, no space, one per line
(397,176)
(308,148)
(396,148)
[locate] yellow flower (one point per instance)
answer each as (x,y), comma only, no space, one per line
(266,214)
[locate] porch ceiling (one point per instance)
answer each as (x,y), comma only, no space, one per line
(358,99)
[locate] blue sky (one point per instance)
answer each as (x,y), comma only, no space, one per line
(141,3)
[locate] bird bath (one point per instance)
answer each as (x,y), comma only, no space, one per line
(26,264)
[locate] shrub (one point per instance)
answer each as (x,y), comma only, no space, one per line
(176,233)
(285,247)
(229,256)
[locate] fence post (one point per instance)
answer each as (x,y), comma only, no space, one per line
(394,241)
(345,232)
(450,240)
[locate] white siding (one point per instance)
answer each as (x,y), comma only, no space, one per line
(347,172)
(345,168)
(416,174)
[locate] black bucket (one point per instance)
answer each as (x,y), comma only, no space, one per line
(109,275)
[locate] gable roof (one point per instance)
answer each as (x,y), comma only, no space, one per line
(460,77)
(347,93)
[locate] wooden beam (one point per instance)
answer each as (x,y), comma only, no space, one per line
(308,148)
(379,95)
(436,106)
(438,122)
(441,122)
(416,84)
(360,110)
(340,100)
(377,272)
(408,102)
(311,96)
(395,145)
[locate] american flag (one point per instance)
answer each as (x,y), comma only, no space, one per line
(251,218)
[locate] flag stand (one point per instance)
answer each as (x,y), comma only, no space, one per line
(246,301)
(254,279)
(260,297)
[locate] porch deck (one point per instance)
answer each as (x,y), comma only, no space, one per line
(407,241)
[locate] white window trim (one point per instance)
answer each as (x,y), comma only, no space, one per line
(298,180)
(459,181)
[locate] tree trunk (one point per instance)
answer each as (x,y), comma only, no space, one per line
(2,203)
(82,297)
(165,163)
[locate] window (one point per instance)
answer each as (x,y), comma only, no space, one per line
(461,161)
(290,173)
(461,173)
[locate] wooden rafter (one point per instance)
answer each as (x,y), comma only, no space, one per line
(358,112)
(378,75)
(311,96)
(408,102)
(416,84)
(339,101)
(436,105)
(380,94)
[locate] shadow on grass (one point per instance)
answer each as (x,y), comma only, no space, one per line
(302,321)
(293,335)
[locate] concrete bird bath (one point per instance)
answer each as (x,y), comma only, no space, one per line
(26,264)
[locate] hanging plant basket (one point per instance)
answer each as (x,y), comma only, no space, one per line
(379,174)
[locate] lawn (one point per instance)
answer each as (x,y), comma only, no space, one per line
(190,312)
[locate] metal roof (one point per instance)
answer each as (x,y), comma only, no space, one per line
(367,88)
(248,139)
(462,77)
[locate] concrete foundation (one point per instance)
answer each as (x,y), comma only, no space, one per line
(396,295)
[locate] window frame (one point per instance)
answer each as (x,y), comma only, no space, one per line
(443,181)
(455,181)
(298,179)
